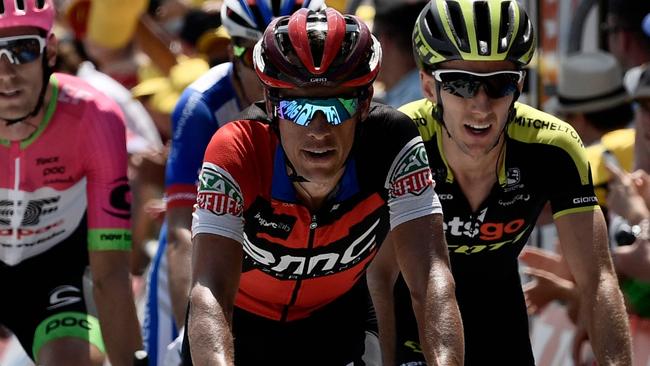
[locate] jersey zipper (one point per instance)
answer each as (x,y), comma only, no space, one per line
(310,244)
(15,196)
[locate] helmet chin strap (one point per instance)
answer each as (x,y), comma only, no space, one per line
(47,71)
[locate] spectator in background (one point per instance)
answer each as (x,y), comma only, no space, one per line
(628,195)
(399,74)
(591,95)
(625,37)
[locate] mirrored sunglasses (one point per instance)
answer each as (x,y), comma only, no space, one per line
(301,111)
(22,49)
(244,54)
(466,84)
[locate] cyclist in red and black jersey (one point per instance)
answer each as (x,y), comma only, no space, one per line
(497,163)
(294,202)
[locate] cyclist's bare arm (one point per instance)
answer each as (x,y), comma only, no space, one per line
(216,269)
(381,276)
(421,253)
(583,237)
(114,299)
(179,254)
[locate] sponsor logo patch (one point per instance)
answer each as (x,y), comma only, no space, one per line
(411,173)
(120,199)
(218,192)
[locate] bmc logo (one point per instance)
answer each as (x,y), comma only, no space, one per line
(288,264)
(68,322)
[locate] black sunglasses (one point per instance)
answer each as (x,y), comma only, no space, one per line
(466,84)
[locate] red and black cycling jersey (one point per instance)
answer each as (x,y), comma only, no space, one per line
(543,160)
(297,261)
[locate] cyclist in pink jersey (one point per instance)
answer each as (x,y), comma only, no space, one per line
(64,203)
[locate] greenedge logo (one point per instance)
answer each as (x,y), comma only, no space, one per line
(218,192)
(411,174)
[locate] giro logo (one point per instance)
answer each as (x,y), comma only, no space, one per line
(218,192)
(120,200)
(64,295)
(410,173)
(33,210)
(590,199)
(291,264)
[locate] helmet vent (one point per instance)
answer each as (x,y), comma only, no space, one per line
(236,18)
(20,5)
(40,4)
(2,7)
(506,29)
(316,44)
(432,26)
(483,28)
(257,15)
(458,26)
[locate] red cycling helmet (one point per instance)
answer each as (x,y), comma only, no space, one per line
(27,13)
(317,48)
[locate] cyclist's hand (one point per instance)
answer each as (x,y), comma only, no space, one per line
(547,261)
(624,198)
(544,288)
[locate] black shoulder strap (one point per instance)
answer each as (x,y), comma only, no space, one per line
(256,112)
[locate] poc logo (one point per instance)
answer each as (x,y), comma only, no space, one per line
(68,322)
(590,199)
(53,170)
(446,196)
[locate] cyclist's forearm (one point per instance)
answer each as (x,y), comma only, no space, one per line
(117,316)
(441,333)
(179,258)
(607,324)
(210,337)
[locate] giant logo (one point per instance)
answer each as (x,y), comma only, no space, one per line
(411,174)
(218,192)
(120,199)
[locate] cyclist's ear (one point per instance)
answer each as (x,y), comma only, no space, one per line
(428,84)
(365,104)
(51,49)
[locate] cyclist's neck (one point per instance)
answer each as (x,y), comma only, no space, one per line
(23,130)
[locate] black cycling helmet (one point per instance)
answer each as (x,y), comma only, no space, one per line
(473,30)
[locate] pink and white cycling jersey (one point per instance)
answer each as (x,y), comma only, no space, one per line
(73,167)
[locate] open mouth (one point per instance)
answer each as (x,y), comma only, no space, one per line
(9,93)
(478,129)
(319,153)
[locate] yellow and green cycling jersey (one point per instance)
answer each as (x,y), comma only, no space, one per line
(543,160)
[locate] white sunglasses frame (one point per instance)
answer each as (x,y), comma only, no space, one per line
(520,73)
(42,42)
